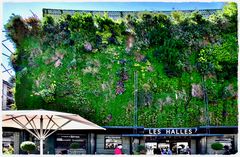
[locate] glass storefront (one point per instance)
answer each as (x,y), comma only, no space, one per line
(64,143)
(111,142)
(104,142)
(158,145)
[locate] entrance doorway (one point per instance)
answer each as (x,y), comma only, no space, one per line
(179,147)
(150,146)
(159,146)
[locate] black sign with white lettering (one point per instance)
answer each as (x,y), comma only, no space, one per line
(182,131)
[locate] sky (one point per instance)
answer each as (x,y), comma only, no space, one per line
(24,9)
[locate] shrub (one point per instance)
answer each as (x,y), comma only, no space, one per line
(28,146)
(217,146)
(74,145)
(140,148)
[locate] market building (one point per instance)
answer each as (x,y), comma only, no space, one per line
(198,139)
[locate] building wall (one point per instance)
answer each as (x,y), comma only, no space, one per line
(16,142)
(7,97)
(91,143)
(118,14)
(126,145)
(202,145)
(4,96)
(50,145)
(100,144)
(193,146)
(236,142)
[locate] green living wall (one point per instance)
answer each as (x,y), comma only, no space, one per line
(186,66)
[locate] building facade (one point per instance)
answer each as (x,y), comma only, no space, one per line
(198,139)
(7,95)
(118,14)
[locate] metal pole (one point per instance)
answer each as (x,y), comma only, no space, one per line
(135,99)
(206,104)
(206,111)
(41,135)
(41,146)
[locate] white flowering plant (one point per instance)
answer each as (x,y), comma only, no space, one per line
(28,146)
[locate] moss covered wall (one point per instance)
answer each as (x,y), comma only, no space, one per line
(85,64)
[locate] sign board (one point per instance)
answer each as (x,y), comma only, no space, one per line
(69,137)
(182,131)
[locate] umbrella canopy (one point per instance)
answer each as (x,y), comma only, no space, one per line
(51,120)
(43,123)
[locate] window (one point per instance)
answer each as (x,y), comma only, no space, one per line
(7,139)
(112,141)
(65,140)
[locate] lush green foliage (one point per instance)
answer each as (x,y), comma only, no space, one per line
(217,146)
(28,146)
(85,64)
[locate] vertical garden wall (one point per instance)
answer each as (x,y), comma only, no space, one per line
(85,64)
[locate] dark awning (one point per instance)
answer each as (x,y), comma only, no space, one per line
(219,127)
(123,127)
(169,135)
